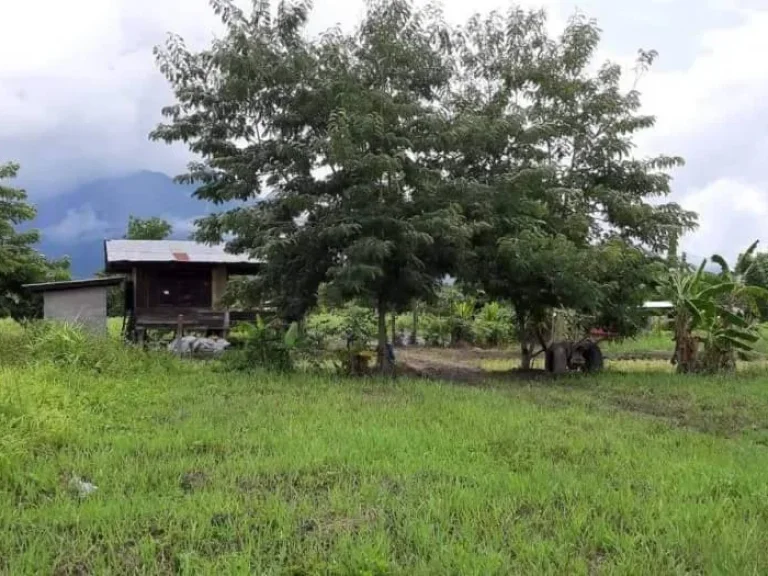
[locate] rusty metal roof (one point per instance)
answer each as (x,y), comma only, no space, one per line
(136,251)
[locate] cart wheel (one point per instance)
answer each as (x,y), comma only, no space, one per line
(593,357)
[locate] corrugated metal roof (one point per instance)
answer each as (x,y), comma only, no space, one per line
(75,284)
(171,251)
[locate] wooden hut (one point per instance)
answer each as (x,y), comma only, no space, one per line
(171,282)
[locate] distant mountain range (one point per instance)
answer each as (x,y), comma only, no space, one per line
(77,222)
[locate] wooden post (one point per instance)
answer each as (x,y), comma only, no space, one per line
(179,332)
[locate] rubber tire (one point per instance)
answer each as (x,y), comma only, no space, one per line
(593,357)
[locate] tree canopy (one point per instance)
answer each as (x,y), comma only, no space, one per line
(335,137)
(573,219)
(148,228)
(20,262)
(379,160)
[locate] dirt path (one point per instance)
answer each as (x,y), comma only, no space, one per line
(460,365)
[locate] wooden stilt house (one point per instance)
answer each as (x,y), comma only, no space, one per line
(170,282)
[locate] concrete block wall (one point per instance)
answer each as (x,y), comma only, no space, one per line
(86,306)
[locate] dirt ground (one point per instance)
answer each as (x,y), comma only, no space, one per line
(476,365)
(463,364)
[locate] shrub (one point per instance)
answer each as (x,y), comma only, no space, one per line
(336,327)
(493,325)
(264,345)
(436,330)
(67,345)
(460,321)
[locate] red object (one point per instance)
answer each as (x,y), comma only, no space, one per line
(600,333)
(181,256)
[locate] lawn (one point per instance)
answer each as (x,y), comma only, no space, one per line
(202,471)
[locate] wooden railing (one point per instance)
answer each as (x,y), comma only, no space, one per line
(192,318)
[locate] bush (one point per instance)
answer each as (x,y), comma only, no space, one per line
(436,330)
(262,345)
(336,327)
(493,325)
(68,345)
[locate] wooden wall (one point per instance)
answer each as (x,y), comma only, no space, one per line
(176,286)
(218,285)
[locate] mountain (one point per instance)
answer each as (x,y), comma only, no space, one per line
(77,222)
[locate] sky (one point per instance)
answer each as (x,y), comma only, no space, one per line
(79,91)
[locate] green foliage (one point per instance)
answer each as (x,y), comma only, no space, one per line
(262,346)
(436,330)
(339,136)
(204,472)
(716,311)
(350,323)
(148,229)
(561,209)
(65,345)
(460,320)
(756,274)
(20,263)
(494,325)
(406,149)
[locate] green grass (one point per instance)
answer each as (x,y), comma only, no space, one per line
(648,342)
(201,471)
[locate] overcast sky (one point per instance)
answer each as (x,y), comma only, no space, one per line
(79,91)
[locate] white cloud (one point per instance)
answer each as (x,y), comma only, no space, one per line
(732,215)
(182,227)
(79,89)
(724,80)
(78,224)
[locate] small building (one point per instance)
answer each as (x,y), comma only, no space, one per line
(169,279)
(77,301)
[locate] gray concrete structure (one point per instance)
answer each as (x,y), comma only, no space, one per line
(81,302)
(86,306)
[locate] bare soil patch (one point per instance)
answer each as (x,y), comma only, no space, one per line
(460,365)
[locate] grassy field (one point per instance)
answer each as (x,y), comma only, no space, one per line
(202,471)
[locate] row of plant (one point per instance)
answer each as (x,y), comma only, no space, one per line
(454,319)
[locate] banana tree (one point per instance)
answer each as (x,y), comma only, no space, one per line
(686,292)
(745,297)
(710,310)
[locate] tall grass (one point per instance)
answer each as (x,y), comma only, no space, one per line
(205,472)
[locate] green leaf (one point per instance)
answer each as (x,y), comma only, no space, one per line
(733,318)
(720,261)
(737,343)
(745,335)
(291,335)
(717,290)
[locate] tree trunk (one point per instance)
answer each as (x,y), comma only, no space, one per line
(686,347)
(393,329)
(414,337)
(385,364)
(526,356)
(526,353)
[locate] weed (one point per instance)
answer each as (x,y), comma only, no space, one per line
(204,471)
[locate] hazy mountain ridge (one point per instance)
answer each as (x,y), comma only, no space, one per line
(76,223)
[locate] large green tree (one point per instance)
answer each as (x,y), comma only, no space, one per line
(570,217)
(20,262)
(337,138)
(153,228)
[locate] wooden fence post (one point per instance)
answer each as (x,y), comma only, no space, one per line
(179,332)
